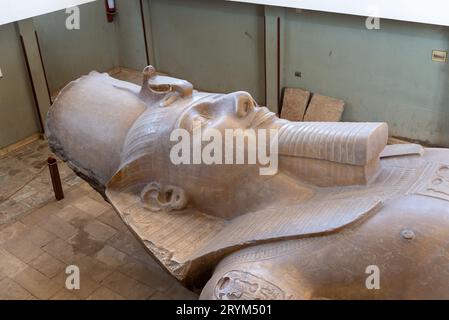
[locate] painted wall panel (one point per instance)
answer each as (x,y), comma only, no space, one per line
(18,117)
(131,42)
(384,75)
(22,9)
(217,45)
(430,11)
(69,54)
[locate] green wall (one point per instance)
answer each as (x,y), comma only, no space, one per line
(383,75)
(216,45)
(69,54)
(130,37)
(18,117)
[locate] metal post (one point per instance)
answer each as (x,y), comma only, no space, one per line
(55,178)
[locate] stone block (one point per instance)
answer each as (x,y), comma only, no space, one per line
(294,104)
(324,109)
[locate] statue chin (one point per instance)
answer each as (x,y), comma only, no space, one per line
(332,188)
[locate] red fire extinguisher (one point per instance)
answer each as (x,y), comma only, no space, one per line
(111,9)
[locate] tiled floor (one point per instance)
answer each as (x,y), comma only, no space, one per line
(40,237)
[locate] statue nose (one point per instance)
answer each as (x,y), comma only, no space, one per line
(244,104)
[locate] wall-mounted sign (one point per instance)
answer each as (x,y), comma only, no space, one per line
(22,9)
(430,11)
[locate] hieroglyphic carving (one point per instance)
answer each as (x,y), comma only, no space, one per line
(435,185)
(240,285)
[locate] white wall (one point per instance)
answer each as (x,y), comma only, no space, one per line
(22,9)
(430,11)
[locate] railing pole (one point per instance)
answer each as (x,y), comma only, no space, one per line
(55,178)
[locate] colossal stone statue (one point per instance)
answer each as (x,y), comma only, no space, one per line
(344,216)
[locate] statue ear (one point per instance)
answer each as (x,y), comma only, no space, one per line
(161,90)
(156,197)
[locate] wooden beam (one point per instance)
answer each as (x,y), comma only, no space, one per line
(273,57)
(146,24)
(35,67)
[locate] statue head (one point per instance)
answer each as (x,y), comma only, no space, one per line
(209,151)
(220,154)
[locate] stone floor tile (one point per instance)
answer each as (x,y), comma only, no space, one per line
(13,231)
(112,257)
(153,277)
(11,290)
(61,250)
(87,287)
(24,193)
(94,195)
(94,268)
(71,181)
(38,236)
(127,287)
(176,292)
(59,227)
(159,296)
(104,293)
(23,249)
(36,216)
(111,218)
(99,230)
(47,265)
(37,284)
(84,243)
(41,198)
(85,187)
(64,294)
(71,195)
(10,265)
(125,242)
(145,257)
(87,284)
(76,217)
(11,210)
(90,206)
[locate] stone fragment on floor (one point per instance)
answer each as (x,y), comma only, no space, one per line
(325,109)
(294,104)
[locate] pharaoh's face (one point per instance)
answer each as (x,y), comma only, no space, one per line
(219,184)
(226,142)
(232,111)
